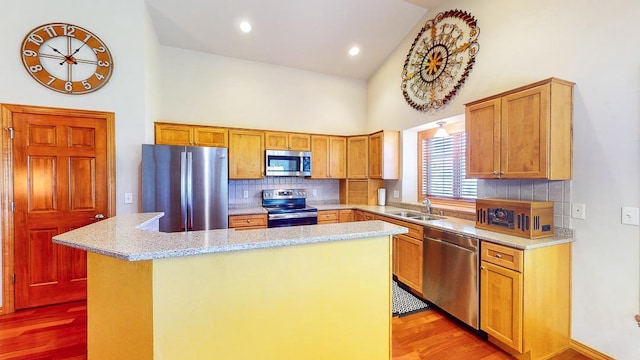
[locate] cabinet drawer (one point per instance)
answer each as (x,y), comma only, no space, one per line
(248,221)
(504,256)
(415,231)
(328,216)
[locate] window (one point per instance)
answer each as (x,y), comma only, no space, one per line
(442,167)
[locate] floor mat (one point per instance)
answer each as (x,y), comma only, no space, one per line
(404,303)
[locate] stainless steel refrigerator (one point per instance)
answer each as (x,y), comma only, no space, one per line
(188,183)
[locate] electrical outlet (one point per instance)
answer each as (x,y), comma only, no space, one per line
(315,192)
(245,194)
(630,216)
(128,198)
(396,194)
(578,211)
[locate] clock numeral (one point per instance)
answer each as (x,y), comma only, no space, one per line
(86,84)
(99,76)
(69,30)
(51,80)
(68,86)
(35,68)
(50,31)
(86,38)
(30,53)
(36,39)
(103,63)
(100,49)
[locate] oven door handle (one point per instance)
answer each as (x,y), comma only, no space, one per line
(293,215)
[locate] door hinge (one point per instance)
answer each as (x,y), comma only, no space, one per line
(13,279)
(11,132)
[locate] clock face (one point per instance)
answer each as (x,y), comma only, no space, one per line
(439,60)
(66,58)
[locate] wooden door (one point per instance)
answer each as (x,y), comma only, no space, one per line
(60,183)
(501,304)
(482,127)
(173,134)
(246,154)
(524,129)
(210,136)
(276,140)
(375,156)
(409,261)
(300,142)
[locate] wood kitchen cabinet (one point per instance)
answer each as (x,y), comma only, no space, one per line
(335,216)
(525,304)
(247,222)
(384,155)
(328,157)
(408,253)
(525,133)
(358,157)
(246,154)
(190,135)
(275,140)
(346,215)
(360,192)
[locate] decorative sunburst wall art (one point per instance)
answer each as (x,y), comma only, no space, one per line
(440,59)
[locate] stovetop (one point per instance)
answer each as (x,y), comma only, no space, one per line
(281,201)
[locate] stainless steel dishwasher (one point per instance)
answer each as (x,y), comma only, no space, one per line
(451,278)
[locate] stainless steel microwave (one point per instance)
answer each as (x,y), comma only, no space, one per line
(287,163)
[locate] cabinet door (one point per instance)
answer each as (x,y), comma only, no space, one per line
(358,157)
(247,222)
(337,157)
(173,134)
(482,127)
(346,215)
(276,140)
(320,157)
(501,304)
(300,142)
(524,130)
(328,216)
(210,136)
(375,156)
(358,215)
(408,258)
(246,154)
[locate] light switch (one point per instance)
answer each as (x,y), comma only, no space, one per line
(128,198)
(245,194)
(578,211)
(315,192)
(630,216)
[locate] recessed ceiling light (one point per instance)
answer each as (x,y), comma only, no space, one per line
(245,26)
(354,51)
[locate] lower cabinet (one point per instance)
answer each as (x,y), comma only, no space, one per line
(525,303)
(335,216)
(407,252)
(247,222)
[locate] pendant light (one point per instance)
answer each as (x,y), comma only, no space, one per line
(441,132)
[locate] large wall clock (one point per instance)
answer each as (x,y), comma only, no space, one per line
(440,59)
(66,58)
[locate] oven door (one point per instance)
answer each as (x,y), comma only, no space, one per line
(292,219)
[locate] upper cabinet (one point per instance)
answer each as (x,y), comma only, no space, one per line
(525,133)
(246,154)
(328,157)
(190,135)
(384,155)
(358,157)
(275,140)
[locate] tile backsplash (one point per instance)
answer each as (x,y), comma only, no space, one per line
(558,191)
(326,191)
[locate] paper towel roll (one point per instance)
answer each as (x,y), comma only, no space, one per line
(382,196)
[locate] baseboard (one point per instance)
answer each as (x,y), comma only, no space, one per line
(587,351)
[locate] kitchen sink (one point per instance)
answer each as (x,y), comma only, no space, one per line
(416,215)
(426,217)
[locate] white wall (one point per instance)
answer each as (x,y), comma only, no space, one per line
(590,43)
(200,88)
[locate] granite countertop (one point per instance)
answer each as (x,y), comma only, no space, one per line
(135,237)
(459,226)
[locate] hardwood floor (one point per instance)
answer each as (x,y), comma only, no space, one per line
(59,332)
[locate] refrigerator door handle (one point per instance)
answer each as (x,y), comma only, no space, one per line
(183,190)
(189,190)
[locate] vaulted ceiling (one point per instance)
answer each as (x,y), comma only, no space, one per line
(302,34)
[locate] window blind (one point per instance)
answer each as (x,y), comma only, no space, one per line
(443,168)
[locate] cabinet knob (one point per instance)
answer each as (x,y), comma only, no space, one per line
(494,172)
(482,268)
(501,172)
(499,256)
(248,221)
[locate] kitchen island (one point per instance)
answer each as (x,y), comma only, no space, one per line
(312,292)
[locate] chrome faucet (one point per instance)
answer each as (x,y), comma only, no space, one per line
(427,203)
